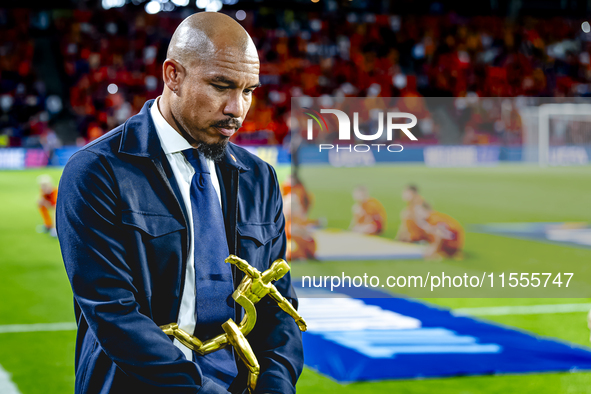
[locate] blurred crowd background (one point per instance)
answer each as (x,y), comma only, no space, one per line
(69,75)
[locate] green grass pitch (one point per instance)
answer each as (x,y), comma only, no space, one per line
(34,287)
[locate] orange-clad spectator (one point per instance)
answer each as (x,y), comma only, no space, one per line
(472,137)
(429,55)
(94,132)
(369,215)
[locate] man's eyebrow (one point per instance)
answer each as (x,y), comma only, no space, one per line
(228,81)
(222,79)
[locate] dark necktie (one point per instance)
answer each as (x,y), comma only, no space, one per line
(213,277)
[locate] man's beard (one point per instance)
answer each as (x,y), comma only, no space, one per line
(215,151)
(210,151)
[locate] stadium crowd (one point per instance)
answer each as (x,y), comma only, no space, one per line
(110,63)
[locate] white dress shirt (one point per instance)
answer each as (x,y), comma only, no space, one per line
(173,144)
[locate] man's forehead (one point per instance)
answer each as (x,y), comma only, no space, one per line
(247,55)
(227,64)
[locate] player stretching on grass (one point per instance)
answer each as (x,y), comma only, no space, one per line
(46,204)
(369,215)
(409,231)
(293,185)
(444,234)
(300,243)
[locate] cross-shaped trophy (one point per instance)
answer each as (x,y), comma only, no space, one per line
(253,287)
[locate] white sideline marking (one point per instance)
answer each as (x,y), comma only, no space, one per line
(7,386)
(9,328)
(523,309)
(481,311)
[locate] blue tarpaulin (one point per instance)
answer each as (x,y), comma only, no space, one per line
(571,234)
(397,338)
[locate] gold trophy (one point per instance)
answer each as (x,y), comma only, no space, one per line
(254,286)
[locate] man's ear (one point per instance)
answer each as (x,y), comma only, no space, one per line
(173,74)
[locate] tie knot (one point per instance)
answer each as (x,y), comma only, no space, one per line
(197,160)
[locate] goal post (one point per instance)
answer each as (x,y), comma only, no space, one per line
(557,133)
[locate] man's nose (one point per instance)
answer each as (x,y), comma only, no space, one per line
(235,105)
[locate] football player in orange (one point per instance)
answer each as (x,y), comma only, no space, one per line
(409,231)
(444,234)
(46,203)
(300,243)
(369,215)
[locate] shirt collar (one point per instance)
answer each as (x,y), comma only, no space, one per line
(170,139)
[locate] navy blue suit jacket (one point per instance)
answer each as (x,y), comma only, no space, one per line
(124,238)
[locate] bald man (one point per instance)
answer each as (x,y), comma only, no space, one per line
(147,213)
